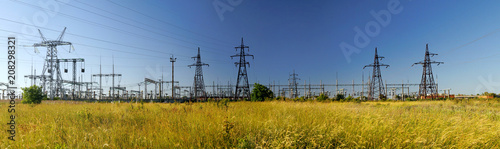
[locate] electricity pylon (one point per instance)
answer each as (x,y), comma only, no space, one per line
(377,90)
(293,85)
(427,84)
(242,86)
(199,83)
(51,66)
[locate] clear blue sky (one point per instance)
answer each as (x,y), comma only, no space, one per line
(284,35)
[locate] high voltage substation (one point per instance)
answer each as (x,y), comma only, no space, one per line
(374,89)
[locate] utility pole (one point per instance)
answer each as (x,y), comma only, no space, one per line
(309,93)
(448,92)
(112,75)
(113,78)
(336,83)
(100,79)
(91,85)
(274,89)
(353,89)
(427,84)
(362,85)
(31,73)
(386,88)
(279,89)
(377,90)
(161,83)
(305,92)
(172,59)
(139,84)
(321,86)
(402,90)
(242,86)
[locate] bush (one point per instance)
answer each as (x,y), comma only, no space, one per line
(349,98)
(32,95)
(357,100)
(410,99)
(322,97)
(299,99)
(339,97)
(382,98)
(260,92)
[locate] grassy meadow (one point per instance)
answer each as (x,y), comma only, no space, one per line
(272,124)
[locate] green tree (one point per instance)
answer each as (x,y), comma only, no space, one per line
(32,95)
(260,92)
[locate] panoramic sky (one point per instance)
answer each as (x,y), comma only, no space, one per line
(317,39)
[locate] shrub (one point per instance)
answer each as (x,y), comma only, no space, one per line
(322,97)
(32,95)
(398,97)
(339,97)
(357,100)
(260,92)
(349,98)
(382,97)
(299,99)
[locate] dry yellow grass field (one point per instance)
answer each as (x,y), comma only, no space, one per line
(422,124)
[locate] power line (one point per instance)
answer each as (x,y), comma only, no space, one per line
(138,12)
(145,29)
(105,41)
(121,16)
(105,26)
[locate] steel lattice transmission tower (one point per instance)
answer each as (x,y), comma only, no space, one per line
(293,85)
(242,86)
(199,83)
(427,85)
(377,90)
(51,66)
